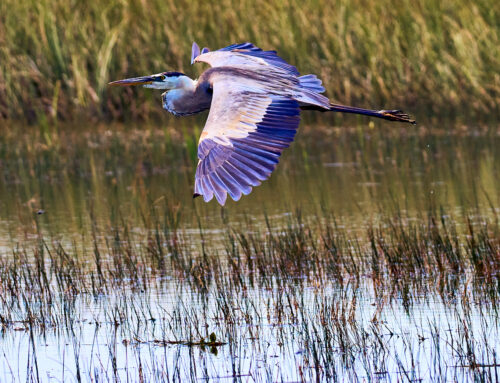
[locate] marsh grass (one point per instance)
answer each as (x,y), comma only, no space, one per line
(438,58)
(308,280)
(108,272)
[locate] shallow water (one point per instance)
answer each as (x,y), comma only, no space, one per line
(79,189)
(419,344)
(356,172)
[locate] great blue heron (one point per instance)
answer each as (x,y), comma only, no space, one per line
(255,98)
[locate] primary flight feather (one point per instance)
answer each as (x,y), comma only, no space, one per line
(255,98)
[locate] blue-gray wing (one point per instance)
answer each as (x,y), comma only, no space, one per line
(249,125)
(195,51)
(307,89)
(248,49)
(270,57)
(254,115)
(245,54)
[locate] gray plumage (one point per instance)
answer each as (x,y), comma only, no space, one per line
(254,98)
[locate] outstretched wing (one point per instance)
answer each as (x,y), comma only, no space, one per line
(245,55)
(248,57)
(254,115)
(250,122)
(249,50)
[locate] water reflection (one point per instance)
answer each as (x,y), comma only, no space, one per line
(357,173)
(105,194)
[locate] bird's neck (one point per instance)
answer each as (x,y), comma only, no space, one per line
(188,98)
(185,83)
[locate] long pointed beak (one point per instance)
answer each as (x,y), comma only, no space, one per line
(133,81)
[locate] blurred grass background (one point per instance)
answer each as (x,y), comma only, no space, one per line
(433,56)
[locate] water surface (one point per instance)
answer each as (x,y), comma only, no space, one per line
(110,193)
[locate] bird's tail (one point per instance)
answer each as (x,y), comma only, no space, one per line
(392,115)
(312,83)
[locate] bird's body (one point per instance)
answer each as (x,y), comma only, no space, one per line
(192,98)
(255,98)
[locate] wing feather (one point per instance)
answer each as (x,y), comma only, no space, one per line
(254,116)
(195,52)
(246,55)
(307,89)
(246,131)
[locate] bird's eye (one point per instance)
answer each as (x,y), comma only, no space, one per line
(162,77)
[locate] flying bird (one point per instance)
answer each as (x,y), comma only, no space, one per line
(255,98)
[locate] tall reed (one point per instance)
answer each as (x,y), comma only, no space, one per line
(56,57)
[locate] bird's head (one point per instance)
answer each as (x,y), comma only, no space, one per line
(164,80)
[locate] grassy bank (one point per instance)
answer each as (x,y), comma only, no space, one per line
(442,57)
